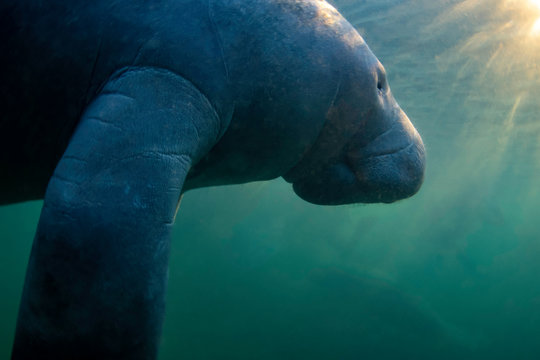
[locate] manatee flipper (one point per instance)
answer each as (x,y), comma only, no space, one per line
(97,273)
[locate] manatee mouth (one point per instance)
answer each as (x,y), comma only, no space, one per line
(390,175)
(376,174)
(366,155)
(399,137)
(370,167)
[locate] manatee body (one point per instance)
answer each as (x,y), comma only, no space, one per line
(113,109)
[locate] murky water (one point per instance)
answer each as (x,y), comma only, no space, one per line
(451,273)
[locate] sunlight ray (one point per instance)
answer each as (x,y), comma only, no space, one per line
(536,28)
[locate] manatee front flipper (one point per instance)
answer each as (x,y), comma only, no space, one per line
(96,278)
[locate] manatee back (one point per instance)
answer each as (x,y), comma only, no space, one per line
(56,56)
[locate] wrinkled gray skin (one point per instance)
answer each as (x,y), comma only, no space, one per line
(112,109)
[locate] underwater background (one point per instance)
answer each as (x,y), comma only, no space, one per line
(451,273)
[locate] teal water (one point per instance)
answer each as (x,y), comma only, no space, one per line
(452,273)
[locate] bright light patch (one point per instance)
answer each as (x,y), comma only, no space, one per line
(536,27)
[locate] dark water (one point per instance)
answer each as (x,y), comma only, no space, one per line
(452,273)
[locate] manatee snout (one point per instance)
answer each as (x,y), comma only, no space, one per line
(391,166)
(385,167)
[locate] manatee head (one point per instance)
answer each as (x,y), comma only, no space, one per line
(367,151)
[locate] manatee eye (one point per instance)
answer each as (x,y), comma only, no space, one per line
(381,82)
(379,85)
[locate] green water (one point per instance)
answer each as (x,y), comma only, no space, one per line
(452,273)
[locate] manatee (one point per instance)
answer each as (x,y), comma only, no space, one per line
(111,110)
